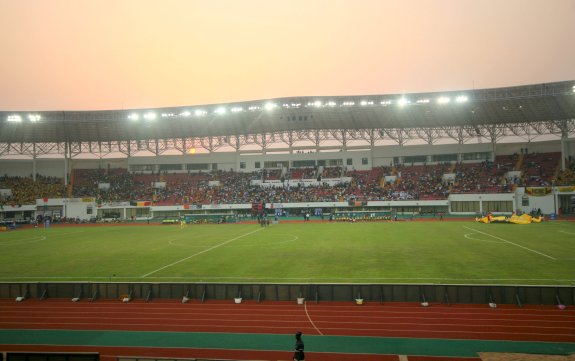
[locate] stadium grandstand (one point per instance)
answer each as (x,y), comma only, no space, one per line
(458,153)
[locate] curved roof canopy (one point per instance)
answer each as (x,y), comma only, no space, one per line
(547,108)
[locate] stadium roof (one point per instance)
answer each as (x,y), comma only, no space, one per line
(491,113)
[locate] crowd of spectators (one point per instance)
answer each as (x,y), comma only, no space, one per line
(405,182)
(485,177)
(24,190)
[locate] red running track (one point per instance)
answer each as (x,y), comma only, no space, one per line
(479,322)
(530,323)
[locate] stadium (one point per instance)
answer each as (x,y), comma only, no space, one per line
(175,198)
(255,180)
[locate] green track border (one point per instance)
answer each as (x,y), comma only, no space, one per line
(275,342)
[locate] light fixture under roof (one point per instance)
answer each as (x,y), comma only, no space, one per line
(150,116)
(402,102)
(34,118)
(220,110)
(461,99)
(200,113)
(443,100)
(270,106)
(14,118)
(133,116)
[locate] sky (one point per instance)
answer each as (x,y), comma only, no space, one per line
(128,54)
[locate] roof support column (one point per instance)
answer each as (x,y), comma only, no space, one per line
(34,162)
(564,136)
(563,150)
(66,164)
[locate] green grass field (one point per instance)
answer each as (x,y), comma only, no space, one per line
(459,252)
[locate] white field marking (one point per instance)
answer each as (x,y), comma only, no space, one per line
(477,239)
(201,252)
(15,242)
(309,318)
(301,279)
(571,233)
(67,233)
(515,244)
(295,238)
(43,237)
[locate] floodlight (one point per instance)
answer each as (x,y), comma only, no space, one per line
(422,101)
(200,112)
(254,107)
(366,102)
(150,116)
(573,88)
(34,117)
(461,99)
(348,103)
(317,103)
(402,102)
(331,104)
(185,113)
(270,106)
(385,102)
(133,116)
(167,115)
(237,109)
(443,100)
(220,110)
(15,118)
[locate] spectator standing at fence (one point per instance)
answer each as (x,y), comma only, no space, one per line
(299,348)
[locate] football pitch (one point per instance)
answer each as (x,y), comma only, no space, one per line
(450,252)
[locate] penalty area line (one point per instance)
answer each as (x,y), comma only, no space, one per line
(515,244)
(199,253)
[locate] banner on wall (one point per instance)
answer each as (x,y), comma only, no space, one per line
(141,203)
(566,189)
(538,191)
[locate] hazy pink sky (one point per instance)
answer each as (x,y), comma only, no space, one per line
(120,54)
